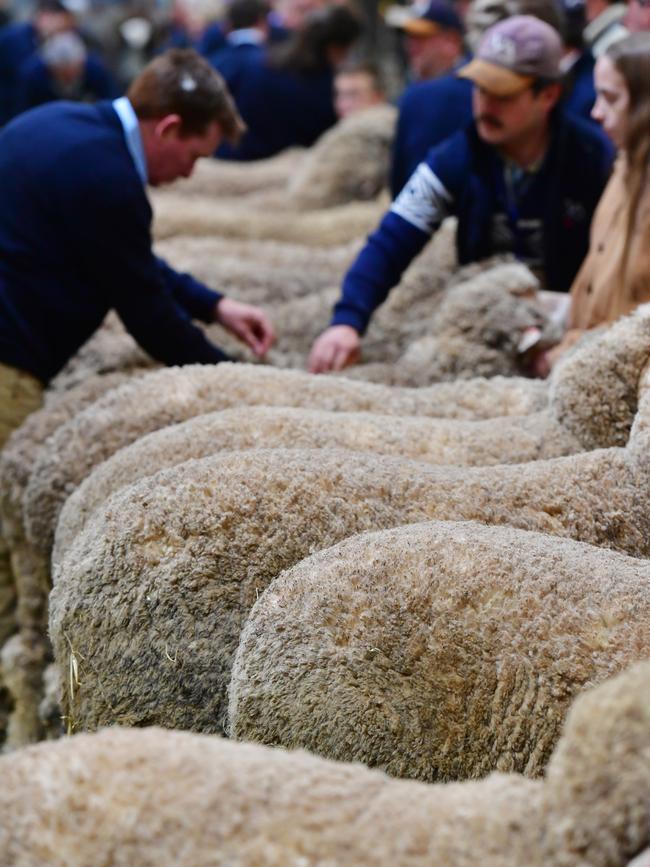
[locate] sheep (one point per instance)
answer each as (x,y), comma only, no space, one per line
(472,328)
(136,409)
(232,179)
(175,214)
(155,797)
(259,272)
(25,585)
(437,441)
(211,533)
(437,651)
(349,162)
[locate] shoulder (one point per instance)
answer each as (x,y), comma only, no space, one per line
(428,93)
(580,139)
(452,157)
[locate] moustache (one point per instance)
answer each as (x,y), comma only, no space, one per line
(489,120)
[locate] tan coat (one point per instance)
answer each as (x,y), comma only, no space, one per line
(601,292)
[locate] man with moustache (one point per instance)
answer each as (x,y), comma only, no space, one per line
(523,178)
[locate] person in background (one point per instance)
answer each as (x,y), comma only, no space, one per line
(63,69)
(357,86)
(288,100)
(604,25)
(615,276)
(75,227)
(289,16)
(515,179)
(248,29)
(433,38)
(19,41)
(637,17)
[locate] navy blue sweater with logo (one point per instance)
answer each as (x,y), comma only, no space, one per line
(75,241)
(542,217)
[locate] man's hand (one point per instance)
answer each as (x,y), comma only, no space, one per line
(250,324)
(335,349)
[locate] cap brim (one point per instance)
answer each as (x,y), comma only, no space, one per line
(494,78)
(420,27)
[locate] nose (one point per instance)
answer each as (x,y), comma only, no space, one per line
(596,111)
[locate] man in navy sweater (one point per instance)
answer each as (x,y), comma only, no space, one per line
(75,223)
(523,179)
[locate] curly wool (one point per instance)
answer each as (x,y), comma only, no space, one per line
(436,651)
(163,798)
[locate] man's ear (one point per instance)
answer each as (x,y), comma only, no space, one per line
(168,125)
(552,94)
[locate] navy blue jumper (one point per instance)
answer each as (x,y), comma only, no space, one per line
(543,218)
(75,242)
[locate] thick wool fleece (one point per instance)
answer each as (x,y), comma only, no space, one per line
(136,408)
(259,272)
(153,593)
(434,441)
(437,651)
(473,322)
(350,162)
(219,178)
(24,582)
(171,799)
(234,218)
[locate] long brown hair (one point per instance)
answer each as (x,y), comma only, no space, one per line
(631,58)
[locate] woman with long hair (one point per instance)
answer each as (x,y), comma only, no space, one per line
(615,276)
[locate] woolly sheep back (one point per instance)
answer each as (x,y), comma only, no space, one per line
(170,567)
(436,651)
(136,409)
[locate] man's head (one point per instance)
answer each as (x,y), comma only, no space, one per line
(245,14)
(52,17)
(357,86)
(64,54)
(516,73)
(184,110)
(434,39)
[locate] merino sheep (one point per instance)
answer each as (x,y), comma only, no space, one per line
(136,408)
(220,178)
(24,584)
(175,214)
(259,272)
(153,593)
(435,441)
(161,798)
(437,651)
(214,532)
(468,324)
(350,162)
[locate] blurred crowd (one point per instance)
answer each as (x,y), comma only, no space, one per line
(294,67)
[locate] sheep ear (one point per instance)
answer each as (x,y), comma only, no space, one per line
(598,780)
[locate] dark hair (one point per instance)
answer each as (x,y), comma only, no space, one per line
(184,83)
(631,57)
(363,67)
(246,13)
(52,6)
(307,49)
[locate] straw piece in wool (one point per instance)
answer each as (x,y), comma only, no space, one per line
(154,592)
(437,651)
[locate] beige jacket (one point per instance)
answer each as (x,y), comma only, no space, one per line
(600,293)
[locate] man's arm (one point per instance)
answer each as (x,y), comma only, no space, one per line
(413,218)
(249,324)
